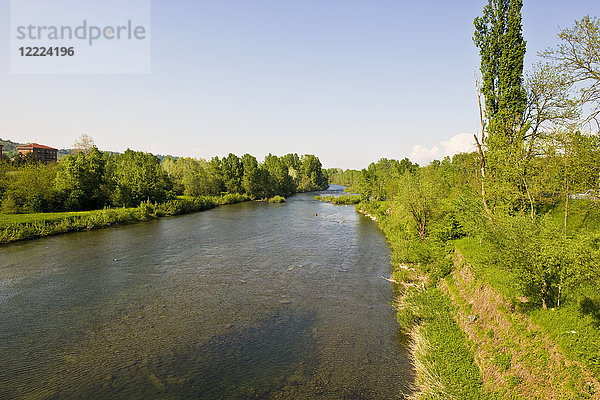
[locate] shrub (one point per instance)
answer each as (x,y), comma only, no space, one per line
(277,199)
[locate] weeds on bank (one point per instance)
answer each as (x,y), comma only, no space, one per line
(575,325)
(16,227)
(444,364)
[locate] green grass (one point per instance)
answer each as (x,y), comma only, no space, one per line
(478,256)
(502,361)
(340,200)
(444,363)
(15,227)
(583,214)
(576,333)
(6,219)
(448,367)
(575,325)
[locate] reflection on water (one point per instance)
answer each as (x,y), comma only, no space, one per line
(265,301)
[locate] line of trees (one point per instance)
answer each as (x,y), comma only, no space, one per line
(531,190)
(93,179)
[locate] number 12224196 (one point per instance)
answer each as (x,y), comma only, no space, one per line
(46,51)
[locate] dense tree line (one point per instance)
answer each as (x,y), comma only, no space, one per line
(93,179)
(376,181)
(530,193)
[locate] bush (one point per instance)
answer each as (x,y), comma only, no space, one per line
(277,199)
(340,200)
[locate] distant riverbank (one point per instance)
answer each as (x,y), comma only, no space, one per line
(15,227)
(348,199)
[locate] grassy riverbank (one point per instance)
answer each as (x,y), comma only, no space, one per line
(339,200)
(517,357)
(445,367)
(15,227)
(573,325)
(473,336)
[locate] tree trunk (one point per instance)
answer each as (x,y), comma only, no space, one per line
(481,152)
(566,208)
(530,199)
(544,293)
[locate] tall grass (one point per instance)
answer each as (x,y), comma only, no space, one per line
(444,365)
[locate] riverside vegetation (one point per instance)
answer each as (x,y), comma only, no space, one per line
(95,189)
(340,200)
(496,251)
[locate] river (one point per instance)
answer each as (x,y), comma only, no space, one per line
(247,301)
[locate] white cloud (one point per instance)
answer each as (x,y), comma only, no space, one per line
(423,155)
(461,143)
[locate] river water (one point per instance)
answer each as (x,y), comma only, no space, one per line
(248,301)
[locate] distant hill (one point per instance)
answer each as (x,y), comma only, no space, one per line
(62,153)
(10,148)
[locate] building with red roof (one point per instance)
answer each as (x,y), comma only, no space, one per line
(39,152)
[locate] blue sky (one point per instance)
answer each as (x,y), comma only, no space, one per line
(350,81)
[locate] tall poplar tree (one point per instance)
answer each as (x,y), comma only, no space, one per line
(499,37)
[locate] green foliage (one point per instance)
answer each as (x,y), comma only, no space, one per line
(28,226)
(28,187)
(311,175)
(380,180)
(233,172)
(498,35)
(80,180)
(92,179)
(277,199)
(255,180)
(190,177)
(280,181)
(548,263)
(548,98)
(136,177)
(421,197)
(340,200)
(338,176)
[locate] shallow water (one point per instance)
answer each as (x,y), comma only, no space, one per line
(253,300)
